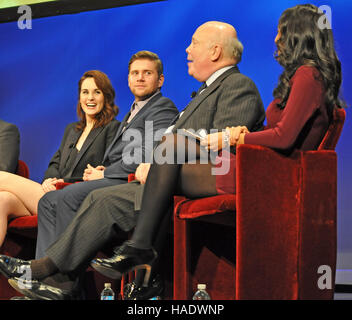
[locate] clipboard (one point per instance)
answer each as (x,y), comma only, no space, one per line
(192,134)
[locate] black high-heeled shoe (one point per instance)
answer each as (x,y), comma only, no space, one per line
(126,259)
(132,291)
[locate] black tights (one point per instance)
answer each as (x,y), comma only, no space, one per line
(166,180)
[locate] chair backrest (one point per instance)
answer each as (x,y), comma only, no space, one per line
(331,137)
(22,169)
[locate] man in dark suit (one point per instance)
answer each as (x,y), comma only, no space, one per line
(56,209)
(229,99)
(9,146)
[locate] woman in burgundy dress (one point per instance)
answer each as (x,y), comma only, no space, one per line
(297,119)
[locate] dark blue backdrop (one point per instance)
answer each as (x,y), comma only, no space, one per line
(40,68)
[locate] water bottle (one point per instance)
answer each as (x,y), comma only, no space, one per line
(201,293)
(107,293)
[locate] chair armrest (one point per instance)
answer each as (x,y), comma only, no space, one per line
(61,185)
(25,226)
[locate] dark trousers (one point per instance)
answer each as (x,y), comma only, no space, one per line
(103,214)
(56,209)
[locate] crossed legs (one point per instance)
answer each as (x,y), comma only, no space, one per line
(18,197)
(57,209)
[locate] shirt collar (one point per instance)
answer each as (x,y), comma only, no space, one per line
(217,74)
(138,105)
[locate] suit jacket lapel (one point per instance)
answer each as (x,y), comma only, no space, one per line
(70,142)
(123,125)
(143,110)
(89,140)
(194,104)
(118,134)
(126,125)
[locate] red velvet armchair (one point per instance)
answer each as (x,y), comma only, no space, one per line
(268,240)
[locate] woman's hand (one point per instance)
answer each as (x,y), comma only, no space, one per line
(236,134)
(50,184)
(217,141)
(92,173)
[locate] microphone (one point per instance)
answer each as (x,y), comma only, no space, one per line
(193,94)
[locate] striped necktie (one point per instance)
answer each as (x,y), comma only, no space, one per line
(202,87)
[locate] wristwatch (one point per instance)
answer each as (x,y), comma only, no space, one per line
(227,138)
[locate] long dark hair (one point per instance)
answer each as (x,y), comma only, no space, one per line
(304,42)
(109,110)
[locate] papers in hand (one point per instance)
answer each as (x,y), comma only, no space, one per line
(199,135)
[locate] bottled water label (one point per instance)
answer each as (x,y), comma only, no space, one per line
(107,293)
(201,293)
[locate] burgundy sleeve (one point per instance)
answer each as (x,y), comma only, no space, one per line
(305,97)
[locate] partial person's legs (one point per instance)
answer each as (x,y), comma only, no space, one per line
(10,207)
(164,181)
(27,191)
(56,210)
(72,197)
(46,222)
(103,214)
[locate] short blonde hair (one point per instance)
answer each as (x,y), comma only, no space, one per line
(144,54)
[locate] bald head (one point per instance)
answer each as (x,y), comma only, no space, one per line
(214,45)
(225,35)
(219,29)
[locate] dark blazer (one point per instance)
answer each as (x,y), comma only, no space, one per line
(154,117)
(231,100)
(9,146)
(92,151)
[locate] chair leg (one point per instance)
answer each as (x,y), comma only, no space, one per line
(181,260)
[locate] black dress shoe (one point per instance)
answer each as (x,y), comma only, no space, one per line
(37,290)
(125,259)
(20,298)
(132,291)
(13,267)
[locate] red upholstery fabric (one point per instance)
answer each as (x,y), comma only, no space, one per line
(332,136)
(24,223)
(285,227)
(22,169)
(131,177)
(190,209)
(61,185)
